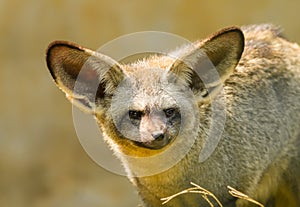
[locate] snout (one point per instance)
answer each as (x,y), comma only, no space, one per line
(158,141)
(154,130)
(158,135)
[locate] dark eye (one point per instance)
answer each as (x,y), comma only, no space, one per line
(137,115)
(170,112)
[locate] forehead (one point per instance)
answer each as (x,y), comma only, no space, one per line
(146,84)
(160,100)
(161,61)
(150,89)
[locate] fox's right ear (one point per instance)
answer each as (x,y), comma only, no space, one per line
(87,77)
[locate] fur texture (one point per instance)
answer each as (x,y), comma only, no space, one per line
(256,82)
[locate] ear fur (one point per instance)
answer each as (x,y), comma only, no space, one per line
(207,64)
(87,77)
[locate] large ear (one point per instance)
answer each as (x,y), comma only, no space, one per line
(207,64)
(87,77)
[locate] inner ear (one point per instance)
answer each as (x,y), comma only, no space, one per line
(182,73)
(87,77)
(205,65)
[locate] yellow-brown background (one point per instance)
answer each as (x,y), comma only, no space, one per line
(41,160)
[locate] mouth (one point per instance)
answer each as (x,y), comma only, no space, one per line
(155,144)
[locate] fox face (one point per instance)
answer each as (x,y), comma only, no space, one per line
(149,118)
(145,106)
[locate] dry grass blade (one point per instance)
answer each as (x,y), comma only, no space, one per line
(206,194)
(196,189)
(238,194)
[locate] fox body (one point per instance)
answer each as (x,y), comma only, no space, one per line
(164,103)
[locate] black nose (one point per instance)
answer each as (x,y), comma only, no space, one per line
(158,136)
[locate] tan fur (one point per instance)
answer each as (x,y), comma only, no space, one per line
(258,71)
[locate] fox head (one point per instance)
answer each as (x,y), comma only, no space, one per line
(143,107)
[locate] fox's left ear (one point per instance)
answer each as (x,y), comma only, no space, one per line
(86,77)
(207,64)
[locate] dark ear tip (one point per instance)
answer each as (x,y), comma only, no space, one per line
(50,52)
(235,35)
(233,30)
(62,43)
(238,32)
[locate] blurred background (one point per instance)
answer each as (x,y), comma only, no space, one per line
(41,160)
